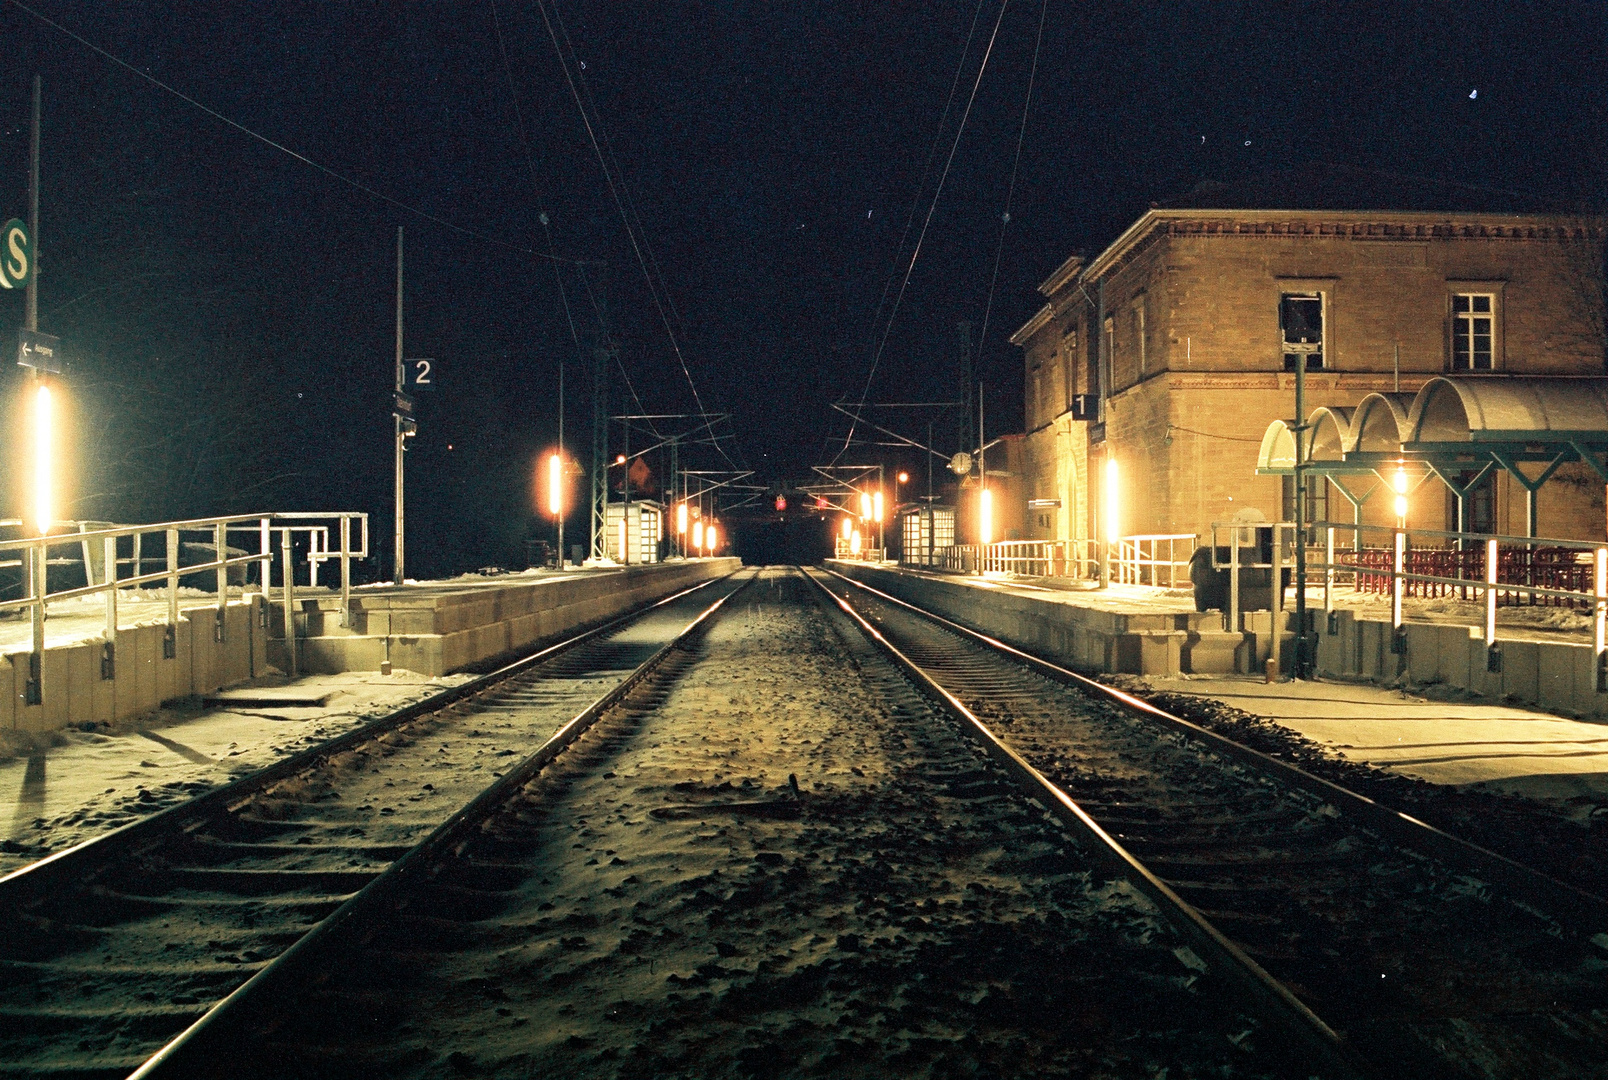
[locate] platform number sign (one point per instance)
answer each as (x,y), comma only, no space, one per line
(16,255)
(421,373)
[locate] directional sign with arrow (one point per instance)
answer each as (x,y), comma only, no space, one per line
(39,351)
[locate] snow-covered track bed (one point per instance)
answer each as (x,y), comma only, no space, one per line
(775,857)
(110,949)
(1428,956)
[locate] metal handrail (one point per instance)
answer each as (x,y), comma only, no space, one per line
(1596,600)
(35,552)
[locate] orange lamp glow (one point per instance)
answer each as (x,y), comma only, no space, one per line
(555,485)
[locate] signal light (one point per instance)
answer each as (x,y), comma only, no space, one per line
(781,503)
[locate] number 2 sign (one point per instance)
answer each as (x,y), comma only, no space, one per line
(421,372)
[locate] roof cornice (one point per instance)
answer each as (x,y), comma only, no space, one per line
(1033,325)
(1383,224)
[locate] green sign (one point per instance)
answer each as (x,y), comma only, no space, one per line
(16,255)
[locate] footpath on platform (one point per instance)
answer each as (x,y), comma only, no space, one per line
(1519,731)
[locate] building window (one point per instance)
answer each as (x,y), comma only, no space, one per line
(1479,504)
(1473,331)
(1301,323)
(1139,335)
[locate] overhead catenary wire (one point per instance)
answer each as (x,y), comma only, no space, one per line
(915,253)
(926,171)
(1010,189)
(333,174)
(535,184)
(587,121)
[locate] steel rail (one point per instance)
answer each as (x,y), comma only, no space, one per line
(1581,912)
(1242,976)
(187,1053)
(71,866)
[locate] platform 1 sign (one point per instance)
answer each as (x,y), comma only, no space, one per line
(16,255)
(42,352)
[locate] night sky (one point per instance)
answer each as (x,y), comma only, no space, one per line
(229,309)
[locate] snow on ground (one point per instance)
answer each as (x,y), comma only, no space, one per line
(686,913)
(1450,742)
(84,783)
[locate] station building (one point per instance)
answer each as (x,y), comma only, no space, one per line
(1174,350)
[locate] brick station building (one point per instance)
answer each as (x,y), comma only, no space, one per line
(1173,350)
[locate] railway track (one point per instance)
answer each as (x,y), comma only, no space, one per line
(770,855)
(110,949)
(1425,955)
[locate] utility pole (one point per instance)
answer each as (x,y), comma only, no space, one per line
(968,372)
(625,486)
(33,690)
(671,489)
(1300,665)
(600,451)
(396,413)
(563,465)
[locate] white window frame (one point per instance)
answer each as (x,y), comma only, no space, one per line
(1288,289)
(1458,319)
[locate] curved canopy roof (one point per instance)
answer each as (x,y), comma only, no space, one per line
(1526,417)
(1464,409)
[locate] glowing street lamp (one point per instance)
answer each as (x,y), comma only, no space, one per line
(865,504)
(697,535)
(44,444)
(1113,518)
(854,542)
(848,527)
(985,517)
(555,485)
(876,506)
(1399,482)
(681,518)
(709,538)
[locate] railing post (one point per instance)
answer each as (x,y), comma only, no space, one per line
(109,650)
(267,561)
(313,553)
(1490,594)
(1275,606)
(289,570)
(170,645)
(346,570)
(220,543)
(1233,581)
(1398,585)
(1328,579)
(1601,639)
(33,692)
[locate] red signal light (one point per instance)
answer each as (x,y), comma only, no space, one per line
(781,503)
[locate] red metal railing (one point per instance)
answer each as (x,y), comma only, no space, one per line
(1563,569)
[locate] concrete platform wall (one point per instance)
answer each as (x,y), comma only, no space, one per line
(1087,638)
(74,691)
(1559,676)
(439,630)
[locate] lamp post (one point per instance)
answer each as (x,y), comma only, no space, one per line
(555,497)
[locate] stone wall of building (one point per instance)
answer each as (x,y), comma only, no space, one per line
(1193,360)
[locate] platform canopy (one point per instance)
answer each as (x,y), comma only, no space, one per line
(1458,428)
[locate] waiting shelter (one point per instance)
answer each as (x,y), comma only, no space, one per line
(1458,429)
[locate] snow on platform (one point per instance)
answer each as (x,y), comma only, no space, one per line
(73,784)
(1456,742)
